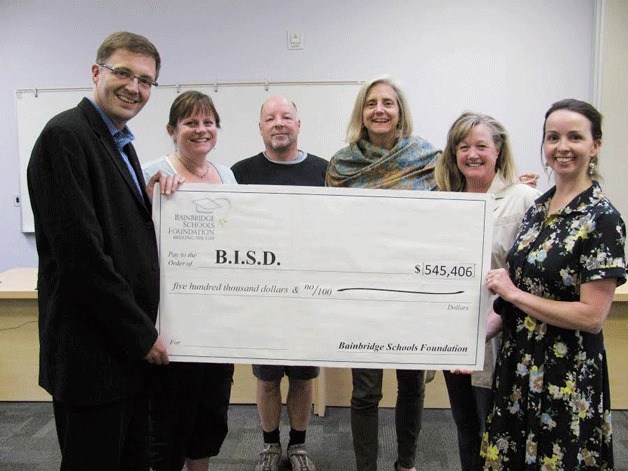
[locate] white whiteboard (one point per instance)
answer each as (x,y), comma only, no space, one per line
(324,109)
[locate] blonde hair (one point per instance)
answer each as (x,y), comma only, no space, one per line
(356,129)
(448,175)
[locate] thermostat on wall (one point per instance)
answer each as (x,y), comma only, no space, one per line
(296,40)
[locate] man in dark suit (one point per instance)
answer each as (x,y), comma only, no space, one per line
(98,268)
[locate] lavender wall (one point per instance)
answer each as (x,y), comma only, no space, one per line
(509,59)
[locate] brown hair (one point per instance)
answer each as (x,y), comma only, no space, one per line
(588,111)
(129,42)
(189,103)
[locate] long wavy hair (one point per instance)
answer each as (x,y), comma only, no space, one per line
(448,175)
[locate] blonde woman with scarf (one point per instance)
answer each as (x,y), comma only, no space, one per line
(382,153)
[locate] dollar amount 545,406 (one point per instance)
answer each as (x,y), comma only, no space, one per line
(445,270)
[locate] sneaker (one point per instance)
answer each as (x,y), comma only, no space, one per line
(299,461)
(269,458)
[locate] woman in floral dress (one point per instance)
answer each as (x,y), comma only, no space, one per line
(551,388)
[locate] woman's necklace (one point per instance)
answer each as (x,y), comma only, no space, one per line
(201,176)
(560,199)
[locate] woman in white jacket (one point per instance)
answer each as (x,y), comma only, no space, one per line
(478,159)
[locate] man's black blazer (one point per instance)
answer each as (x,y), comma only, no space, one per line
(98,268)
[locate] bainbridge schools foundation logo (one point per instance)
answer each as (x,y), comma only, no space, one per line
(205,218)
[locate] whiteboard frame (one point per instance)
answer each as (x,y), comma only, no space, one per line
(322,105)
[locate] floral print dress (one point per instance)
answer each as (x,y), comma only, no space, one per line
(552,404)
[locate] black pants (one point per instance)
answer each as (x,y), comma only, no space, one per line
(367,392)
(188,412)
(109,437)
(470,406)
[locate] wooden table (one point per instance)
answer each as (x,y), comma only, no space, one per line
(20,349)
(19,342)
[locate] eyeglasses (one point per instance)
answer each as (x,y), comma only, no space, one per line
(125,74)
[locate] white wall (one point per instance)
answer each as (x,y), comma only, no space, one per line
(614,157)
(509,59)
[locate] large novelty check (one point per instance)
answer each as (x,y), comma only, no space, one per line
(324,276)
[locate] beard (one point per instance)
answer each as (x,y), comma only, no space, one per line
(281,144)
